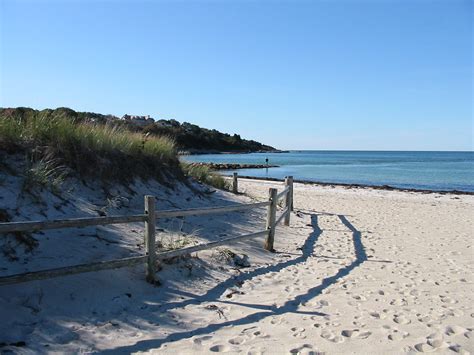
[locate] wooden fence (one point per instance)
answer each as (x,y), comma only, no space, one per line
(150,216)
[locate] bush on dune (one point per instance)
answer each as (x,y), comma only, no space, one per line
(205,175)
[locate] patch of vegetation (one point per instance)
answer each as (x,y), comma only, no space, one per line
(227,255)
(44,173)
(105,147)
(224,254)
(204,174)
(174,241)
(108,151)
(192,138)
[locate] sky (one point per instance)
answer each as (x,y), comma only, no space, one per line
(349,75)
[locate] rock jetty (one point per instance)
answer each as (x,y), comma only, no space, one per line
(232,166)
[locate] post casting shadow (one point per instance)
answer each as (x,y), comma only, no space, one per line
(290,306)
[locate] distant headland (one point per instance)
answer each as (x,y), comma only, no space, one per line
(189,138)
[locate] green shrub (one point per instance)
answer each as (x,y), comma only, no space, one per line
(205,175)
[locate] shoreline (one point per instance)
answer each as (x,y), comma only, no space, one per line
(363,186)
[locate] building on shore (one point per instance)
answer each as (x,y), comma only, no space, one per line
(141,121)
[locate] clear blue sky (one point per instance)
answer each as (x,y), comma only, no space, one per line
(393,75)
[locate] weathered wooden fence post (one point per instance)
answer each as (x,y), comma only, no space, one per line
(291,192)
(235,184)
(289,199)
(150,238)
(271,218)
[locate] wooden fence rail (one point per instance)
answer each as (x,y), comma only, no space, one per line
(149,217)
(68,223)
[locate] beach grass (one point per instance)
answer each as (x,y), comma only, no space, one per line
(93,149)
(205,175)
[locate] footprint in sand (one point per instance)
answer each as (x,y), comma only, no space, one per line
(437,343)
(355,333)
(364,335)
(458,349)
(424,348)
(350,333)
(299,332)
(256,351)
(425,319)
(359,324)
(219,348)
(455,313)
(306,349)
(276,321)
(434,342)
(399,302)
(202,340)
(401,320)
(259,334)
(446,299)
(332,324)
(237,341)
(454,330)
(377,315)
(435,336)
(397,335)
(330,336)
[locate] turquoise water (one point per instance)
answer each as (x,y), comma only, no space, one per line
(416,170)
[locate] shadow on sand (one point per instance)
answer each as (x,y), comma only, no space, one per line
(291,306)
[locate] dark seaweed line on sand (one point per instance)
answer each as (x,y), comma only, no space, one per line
(363,186)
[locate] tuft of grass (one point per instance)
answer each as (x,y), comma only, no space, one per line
(45,173)
(205,175)
(224,254)
(174,241)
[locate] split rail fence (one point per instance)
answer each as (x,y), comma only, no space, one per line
(151,258)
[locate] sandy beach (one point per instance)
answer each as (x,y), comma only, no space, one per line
(358,271)
(374,272)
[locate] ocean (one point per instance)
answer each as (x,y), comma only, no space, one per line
(413,170)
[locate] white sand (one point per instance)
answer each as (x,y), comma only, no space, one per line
(359,271)
(380,272)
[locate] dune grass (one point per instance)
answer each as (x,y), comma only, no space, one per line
(45,172)
(55,142)
(205,175)
(101,150)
